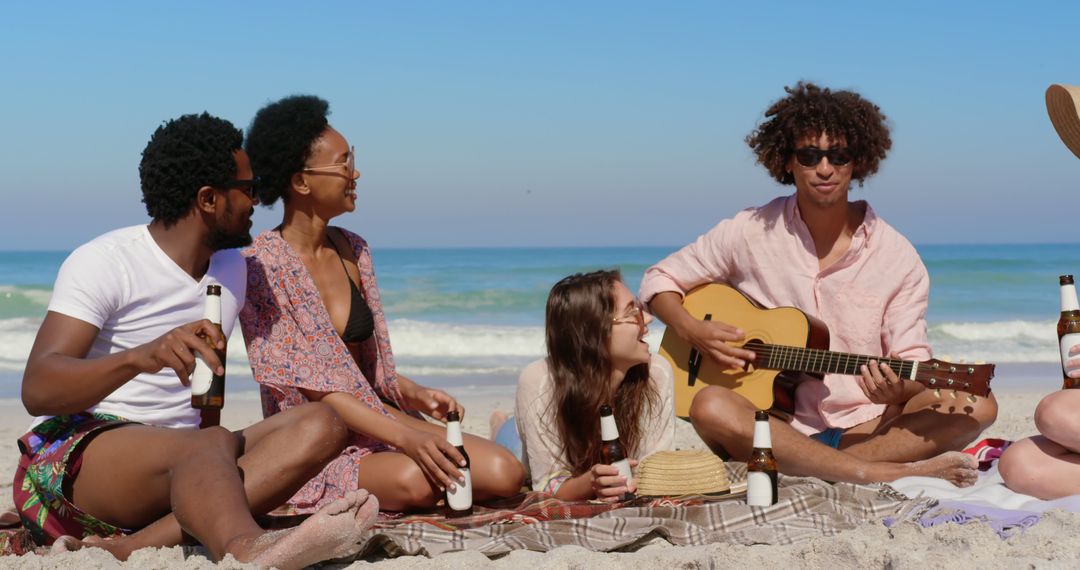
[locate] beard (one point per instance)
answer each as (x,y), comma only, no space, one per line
(222,237)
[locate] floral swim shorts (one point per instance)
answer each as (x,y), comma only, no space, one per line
(50,460)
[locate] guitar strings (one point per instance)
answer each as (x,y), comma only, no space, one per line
(781,357)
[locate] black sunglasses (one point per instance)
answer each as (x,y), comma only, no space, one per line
(809,156)
(249,186)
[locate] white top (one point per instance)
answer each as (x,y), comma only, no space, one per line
(540,438)
(126,286)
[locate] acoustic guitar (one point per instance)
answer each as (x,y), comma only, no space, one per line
(786,340)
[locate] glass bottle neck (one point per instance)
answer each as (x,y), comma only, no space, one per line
(1068,298)
(608,430)
(453,434)
(762,435)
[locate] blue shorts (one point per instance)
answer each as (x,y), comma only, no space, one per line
(508,437)
(830,437)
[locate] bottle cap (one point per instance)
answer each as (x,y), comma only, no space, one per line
(453,417)
(213,289)
(605,410)
(761,416)
(1066,279)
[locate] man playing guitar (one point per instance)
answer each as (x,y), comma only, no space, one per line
(839,262)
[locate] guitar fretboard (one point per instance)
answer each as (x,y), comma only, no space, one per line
(779,357)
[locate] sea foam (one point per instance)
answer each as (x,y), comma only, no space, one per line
(422,347)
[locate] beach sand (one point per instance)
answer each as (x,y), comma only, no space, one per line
(1050,544)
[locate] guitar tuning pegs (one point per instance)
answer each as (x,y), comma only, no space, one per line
(971,398)
(953,394)
(937,393)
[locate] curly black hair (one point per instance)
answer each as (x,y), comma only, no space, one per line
(809,110)
(279,141)
(182,156)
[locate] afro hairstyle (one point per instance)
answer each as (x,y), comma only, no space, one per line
(809,110)
(280,140)
(182,156)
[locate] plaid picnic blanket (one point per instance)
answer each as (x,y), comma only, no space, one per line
(807,508)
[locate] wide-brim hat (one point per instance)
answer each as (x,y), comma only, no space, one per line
(1062,102)
(683,472)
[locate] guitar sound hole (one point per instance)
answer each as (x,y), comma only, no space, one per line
(754,345)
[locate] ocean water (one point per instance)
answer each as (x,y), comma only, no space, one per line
(476,315)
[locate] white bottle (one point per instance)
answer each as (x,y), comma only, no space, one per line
(208,388)
(458,500)
(761,473)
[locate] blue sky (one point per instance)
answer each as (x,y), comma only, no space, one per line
(545,123)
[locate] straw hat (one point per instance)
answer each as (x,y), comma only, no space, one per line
(683,472)
(1062,102)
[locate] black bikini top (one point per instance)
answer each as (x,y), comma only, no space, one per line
(361,323)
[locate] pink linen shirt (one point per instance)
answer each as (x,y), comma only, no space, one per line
(873,298)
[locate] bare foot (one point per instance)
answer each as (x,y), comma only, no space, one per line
(9,518)
(496,421)
(66,543)
(333,532)
(120,547)
(960,469)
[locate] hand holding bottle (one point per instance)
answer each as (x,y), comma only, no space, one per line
(1068,330)
(437,458)
(1072,365)
(608,484)
(177,348)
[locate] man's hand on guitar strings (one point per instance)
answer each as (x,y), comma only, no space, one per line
(713,337)
(881,384)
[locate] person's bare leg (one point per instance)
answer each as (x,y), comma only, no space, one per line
(195,474)
(281,453)
(1041,468)
(407,489)
(132,475)
(1056,418)
(1047,466)
(926,426)
(496,473)
(725,421)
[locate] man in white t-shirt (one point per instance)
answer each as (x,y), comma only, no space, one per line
(116,446)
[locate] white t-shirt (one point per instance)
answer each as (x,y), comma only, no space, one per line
(126,286)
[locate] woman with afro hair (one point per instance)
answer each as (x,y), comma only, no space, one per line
(838,261)
(315,331)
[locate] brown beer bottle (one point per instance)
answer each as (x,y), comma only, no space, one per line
(761,475)
(611,452)
(207,388)
(1068,327)
(459,500)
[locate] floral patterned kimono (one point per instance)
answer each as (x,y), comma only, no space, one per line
(292,344)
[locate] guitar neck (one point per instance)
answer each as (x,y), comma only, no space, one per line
(799,359)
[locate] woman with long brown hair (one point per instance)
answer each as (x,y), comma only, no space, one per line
(596,354)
